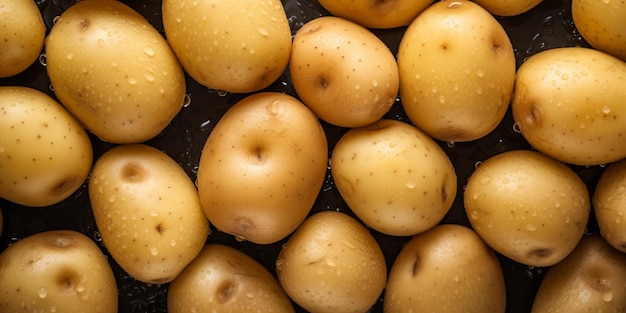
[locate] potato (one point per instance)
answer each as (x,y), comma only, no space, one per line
(332,263)
(591,279)
(377,14)
(394,177)
(568,105)
(147,211)
(508,7)
(56,271)
(527,206)
(22,34)
(601,23)
(431,274)
(114,71)
(235,46)
(262,167)
(457,70)
(343,72)
(45,154)
(223,279)
(609,204)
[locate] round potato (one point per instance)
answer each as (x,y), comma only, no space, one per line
(114,71)
(45,154)
(236,46)
(22,34)
(568,105)
(395,178)
(223,279)
(457,70)
(601,23)
(147,211)
(343,72)
(609,204)
(262,167)
(332,263)
(375,13)
(56,271)
(508,7)
(527,206)
(431,274)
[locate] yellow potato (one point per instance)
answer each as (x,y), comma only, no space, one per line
(375,13)
(457,70)
(262,167)
(508,7)
(601,23)
(56,271)
(114,71)
(236,46)
(527,206)
(224,279)
(45,154)
(609,204)
(394,177)
(332,263)
(568,103)
(446,269)
(22,34)
(147,211)
(343,72)
(591,279)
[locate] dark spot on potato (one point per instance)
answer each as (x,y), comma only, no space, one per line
(323,83)
(416,266)
(444,194)
(159,229)
(66,280)
(133,172)
(64,186)
(540,253)
(225,291)
(83,24)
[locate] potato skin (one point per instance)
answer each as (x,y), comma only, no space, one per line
(527,206)
(601,23)
(22,33)
(568,105)
(224,279)
(147,211)
(508,7)
(609,204)
(377,14)
(46,154)
(262,167)
(114,71)
(431,274)
(56,271)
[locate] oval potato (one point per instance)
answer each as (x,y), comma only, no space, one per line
(22,34)
(601,23)
(375,13)
(508,7)
(609,204)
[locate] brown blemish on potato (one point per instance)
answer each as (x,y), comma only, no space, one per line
(533,118)
(84,24)
(159,229)
(63,186)
(323,83)
(416,266)
(134,173)
(61,241)
(444,194)
(540,253)
(66,280)
(225,291)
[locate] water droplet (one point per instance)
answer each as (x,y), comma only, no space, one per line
(112,198)
(375,83)
(477,164)
(442,99)
(475,195)
(279,265)
(607,296)
(606,109)
(69,55)
(42,59)
(55,19)
(480,73)
(100,42)
(531,227)
(564,77)
(557,203)
(450,144)
(410,184)
(173,242)
(43,293)
(240,239)
(474,214)
(148,51)
(517,128)
(154,251)
(222,93)
(186,100)
(132,80)
(154,213)
(485,180)
(249,295)
(454,5)
(479,90)
(149,77)
(263,32)
(434,90)
(97,236)
(456,278)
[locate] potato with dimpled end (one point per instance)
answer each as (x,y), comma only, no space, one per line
(609,204)
(601,23)
(22,33)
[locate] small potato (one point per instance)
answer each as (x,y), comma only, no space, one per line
(527,206)
(601,23)
(114,71)
(375,13)
(45,154)
(394,177)
(343,72)
(568,103)
(609,204)
(236,46)
(22,34)
(332,263)
(457,70)
(446,269)
(262,167)
(508,7)
(591,279)
(147,211)
(56,271)
(223,279)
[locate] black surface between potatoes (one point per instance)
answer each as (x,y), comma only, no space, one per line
(549,25)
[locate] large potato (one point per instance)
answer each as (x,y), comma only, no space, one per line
(394,177)
(45,154)
(224,279)
(236,46)
(262,167)
(114,71)
(609,204)
(601,23)
(22,34)
(147,211)
(343,72)
(446,269)
(332,263)
(457,70)
(508,7)
(376,13)
(527,206)
(56,271)
(569,104)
